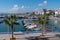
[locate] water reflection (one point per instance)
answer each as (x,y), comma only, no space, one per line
(53,25)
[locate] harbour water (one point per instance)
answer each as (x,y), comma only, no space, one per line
(5,28)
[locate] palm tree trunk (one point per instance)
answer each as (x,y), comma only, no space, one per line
(12,31)
(42,31)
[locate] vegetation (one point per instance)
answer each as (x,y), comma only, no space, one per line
(43,20)
(11,20)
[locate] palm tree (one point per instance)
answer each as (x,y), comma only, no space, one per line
(11,20)
(43,20)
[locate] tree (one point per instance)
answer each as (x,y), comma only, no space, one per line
(11,20)
(43,20)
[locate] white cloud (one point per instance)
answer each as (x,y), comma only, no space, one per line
(15,8)
(22,7)
(40,4)
(45,2)
(36,9)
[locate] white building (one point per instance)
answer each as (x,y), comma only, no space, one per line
(56,12)
(42,12)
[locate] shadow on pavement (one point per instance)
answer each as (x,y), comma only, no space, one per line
(37,38)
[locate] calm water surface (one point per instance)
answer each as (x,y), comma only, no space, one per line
(17,28)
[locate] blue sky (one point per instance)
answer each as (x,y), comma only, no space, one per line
(20,6)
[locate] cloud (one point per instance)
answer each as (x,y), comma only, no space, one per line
(45,2)
(22,7)
(40,4)
(36,9)
(15,8)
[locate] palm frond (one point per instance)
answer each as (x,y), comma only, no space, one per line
(16,23)
(10,20)
(43,19)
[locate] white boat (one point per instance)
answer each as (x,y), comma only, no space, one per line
(30,25)
(17,33)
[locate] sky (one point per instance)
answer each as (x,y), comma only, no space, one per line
(21,6)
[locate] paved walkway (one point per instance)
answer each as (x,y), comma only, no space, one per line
(22,37)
